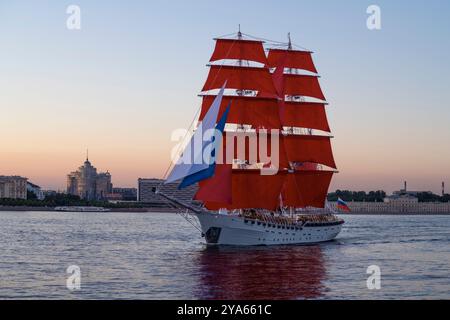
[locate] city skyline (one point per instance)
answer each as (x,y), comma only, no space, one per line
(131,76)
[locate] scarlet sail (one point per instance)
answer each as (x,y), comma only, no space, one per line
(250,189)
(302,85)
(256,111)
(306,189)
(235,49)
(218,188)
(260,101)
(254,147)
(309,148)
(305,115)
(257,147)
(291,59)
(241,78)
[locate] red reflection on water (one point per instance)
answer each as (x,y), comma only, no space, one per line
(263,273)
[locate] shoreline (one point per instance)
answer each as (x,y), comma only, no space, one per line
(51,209)
(172,210)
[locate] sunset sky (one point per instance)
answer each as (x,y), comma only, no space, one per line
(131,75)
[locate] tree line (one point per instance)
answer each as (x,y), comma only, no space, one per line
(63,200)
(357,196)
(378,196)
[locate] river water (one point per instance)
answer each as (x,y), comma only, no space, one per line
(161,256)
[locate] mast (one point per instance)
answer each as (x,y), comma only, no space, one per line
(302,112)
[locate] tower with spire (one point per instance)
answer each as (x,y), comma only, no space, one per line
(87,183)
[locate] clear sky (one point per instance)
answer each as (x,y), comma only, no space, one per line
(131,75)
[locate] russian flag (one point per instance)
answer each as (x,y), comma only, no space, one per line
(342,205)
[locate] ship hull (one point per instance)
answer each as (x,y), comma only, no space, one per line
(238,231)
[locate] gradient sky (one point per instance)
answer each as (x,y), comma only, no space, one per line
(131,75)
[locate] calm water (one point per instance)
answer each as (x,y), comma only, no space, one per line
(160,256)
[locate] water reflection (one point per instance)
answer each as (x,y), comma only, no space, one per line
(292,272)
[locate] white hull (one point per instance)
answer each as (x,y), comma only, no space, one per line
(238,231)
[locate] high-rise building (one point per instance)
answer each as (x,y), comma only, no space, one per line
(88,184)
(13,187)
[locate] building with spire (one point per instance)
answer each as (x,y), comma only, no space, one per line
(88,184)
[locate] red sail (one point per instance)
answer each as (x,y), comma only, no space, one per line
(241,78)
(249,146)
(309,148)
(250,189)
(306,189)
(293,59)
(305,115)
(252,147)
(302,85)
(239,50)
(218,188)
(255,111)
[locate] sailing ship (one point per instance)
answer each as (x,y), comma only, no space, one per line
(261,152)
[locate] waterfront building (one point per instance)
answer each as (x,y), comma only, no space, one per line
(88,184)
(146,194)
(13,187)
(50,193)
(31,187)
(126,194)
(401,202)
